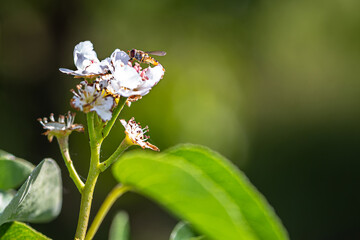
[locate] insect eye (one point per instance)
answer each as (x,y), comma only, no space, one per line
(132,53)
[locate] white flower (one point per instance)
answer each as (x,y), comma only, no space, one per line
(86,61)
(91,97)
(60,128)
(136,134)
(129,80)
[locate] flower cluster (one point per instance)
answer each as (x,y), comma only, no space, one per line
(108,80)
(104,83)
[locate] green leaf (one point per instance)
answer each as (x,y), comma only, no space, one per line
(5,198)
(120,229)
(39,198)
(203,188)
(13,170)
(183,231)
(258,214)
(4,154)
(19,231)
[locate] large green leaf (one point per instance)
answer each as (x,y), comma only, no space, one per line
(120,229)
(257,213)
(39,199)
(13,170)
(19,231)
(204,188)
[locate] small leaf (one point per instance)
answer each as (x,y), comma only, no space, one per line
(39,198)
(203,188)
(13,170)
(182,231)
(120,229)
(19,231)
(5,198)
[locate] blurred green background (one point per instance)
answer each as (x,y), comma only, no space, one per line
(272,85)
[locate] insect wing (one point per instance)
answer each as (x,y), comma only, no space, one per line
(157,53)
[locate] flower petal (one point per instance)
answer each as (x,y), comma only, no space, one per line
(119,55)
(103,107)
(154,74)
(86,61)
(84,55)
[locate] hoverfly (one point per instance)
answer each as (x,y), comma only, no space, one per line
(143,57)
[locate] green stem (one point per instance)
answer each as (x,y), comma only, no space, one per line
(64,148)
(115,115)
(104,209)
(116,155)
(93,136)
(88,191)
(99,123)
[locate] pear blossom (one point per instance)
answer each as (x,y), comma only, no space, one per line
(131,80)
(136,135)
(91,97)
(86,61)
(60,128)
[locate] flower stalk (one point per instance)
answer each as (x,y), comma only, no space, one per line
(64,148)
(125,144)
(117,191)
(93,135)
